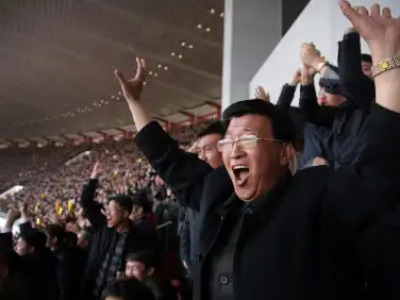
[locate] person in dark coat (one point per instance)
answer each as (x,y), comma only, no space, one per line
(266,233)
(144,266)
(14,285)
(71,261)
(127,289)
(39,263)
(205,147)
(113,237)
(141,214)
(333,128)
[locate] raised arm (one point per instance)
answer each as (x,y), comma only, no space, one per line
(359,86)
(92,209)
(358,196)
(6,238)
(183,172)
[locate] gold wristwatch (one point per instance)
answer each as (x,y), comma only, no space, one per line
(386,65)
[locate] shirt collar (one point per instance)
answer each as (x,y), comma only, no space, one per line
(266,203)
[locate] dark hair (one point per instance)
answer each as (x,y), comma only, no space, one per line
(215,127)
(9,258)
(34,238)
(54,230)
(71,239)
(147,257)
(282,126)
(124,201)
(160,193)
(127,289)
(366,58)
(141,199)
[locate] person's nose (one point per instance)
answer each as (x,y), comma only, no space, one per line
(202,155)
(237,151)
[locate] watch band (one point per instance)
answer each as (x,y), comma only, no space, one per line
(386,65)
(321,65)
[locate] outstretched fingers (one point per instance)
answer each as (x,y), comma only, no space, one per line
(355,16)
(376,11)
(140,69)
(386,13)
(121,78)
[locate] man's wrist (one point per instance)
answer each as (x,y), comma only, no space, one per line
(318,64)
(306,80)
(350,30)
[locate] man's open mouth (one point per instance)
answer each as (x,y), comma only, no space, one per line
(241,174)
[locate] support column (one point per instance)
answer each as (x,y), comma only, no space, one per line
(251,31)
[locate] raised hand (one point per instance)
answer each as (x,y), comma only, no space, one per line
(97,170)
(296,79)
(379,29)
(307,71)
(132,88)
(12,216)
(260,93)
(23,209)
(310,56)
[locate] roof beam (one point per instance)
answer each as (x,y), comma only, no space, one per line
(213,104)
(121,46)
(187,114)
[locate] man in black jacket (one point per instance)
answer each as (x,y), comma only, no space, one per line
(280,237)
(114,236)
(37,262)
(206,149)
(71,262)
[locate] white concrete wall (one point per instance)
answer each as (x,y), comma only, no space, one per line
(322,23)
(252,28)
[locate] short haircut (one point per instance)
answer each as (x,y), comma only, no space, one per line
(147,257)
(282,126)
(34,238)
(141,199)
(215,127)
(127,289)
(366,58)
(71,238)
(124,201)
(56,231)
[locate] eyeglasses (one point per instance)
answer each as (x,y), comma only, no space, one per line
(245,142)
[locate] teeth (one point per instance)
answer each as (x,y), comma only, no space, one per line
(240,168)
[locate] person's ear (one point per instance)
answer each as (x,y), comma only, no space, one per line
(287,154)
(140,210)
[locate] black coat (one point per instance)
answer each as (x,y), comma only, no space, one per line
(39,268)
(102,238)
(70,268)
(309,238)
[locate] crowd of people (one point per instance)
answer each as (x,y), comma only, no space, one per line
(230,209)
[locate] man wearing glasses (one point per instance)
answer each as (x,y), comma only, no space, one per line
(265,234)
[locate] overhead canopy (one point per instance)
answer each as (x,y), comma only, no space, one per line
(57,59)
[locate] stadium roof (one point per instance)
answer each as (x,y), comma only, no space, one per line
(57,59)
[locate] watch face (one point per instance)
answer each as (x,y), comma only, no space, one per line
(384,65)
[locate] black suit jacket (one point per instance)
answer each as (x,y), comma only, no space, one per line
(310,240)
(102,238)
